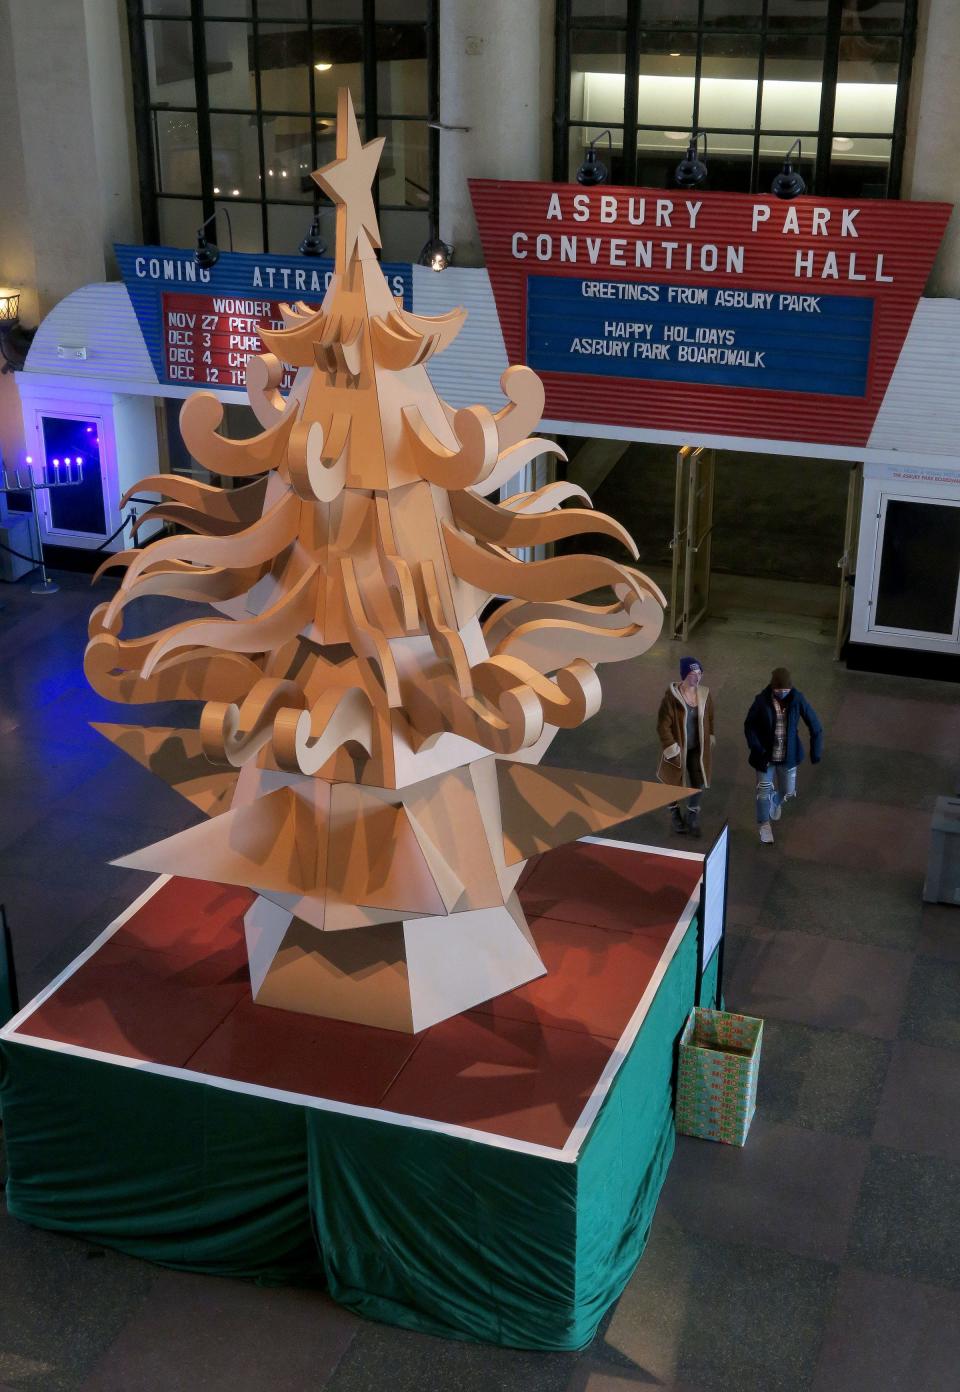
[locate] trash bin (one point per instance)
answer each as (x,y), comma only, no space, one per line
(717,1075)
(942,885)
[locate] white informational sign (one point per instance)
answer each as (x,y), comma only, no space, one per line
(714,895)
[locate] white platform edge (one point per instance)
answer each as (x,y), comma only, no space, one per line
(568,1154)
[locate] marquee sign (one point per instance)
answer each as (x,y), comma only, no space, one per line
(201,326)
(729,314)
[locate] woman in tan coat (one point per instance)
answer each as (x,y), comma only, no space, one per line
(685,727)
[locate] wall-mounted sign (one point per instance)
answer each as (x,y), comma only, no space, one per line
(722,313)
(201,326)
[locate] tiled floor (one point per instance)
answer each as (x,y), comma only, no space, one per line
(822,1256)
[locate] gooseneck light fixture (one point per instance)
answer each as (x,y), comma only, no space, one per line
(789,182)
(692,171)
(207,253)
(436,254)
(593,170)
(313,244)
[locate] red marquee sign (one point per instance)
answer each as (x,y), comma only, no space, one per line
(711,313)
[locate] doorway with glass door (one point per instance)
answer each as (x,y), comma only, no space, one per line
(763,542)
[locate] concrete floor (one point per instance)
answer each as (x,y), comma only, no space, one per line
(824,1255)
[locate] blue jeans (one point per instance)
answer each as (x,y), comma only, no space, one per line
(774,786)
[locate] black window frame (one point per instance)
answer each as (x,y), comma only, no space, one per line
(632,25)
(145,114)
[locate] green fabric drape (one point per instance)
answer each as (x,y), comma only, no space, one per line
(174,1171)
(408,1226)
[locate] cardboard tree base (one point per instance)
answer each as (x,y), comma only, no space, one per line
(492,1178)
(399,976)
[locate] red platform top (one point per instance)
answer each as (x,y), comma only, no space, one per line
(170,986)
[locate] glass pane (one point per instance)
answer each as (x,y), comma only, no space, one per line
(598,9)
(596,75)
(177,155)
(337,62)
(284,54)
(227,9)
(405,163)
(792,76)
(286,152)
(247,226)
(288,227)
(668,12)
(919,567)
(655,167)
(859,168)
(871,16)
(410,10)
(78,508)
(404,235)
(167,7)
(867,85)
(730,161)
(169,46)
(179,220)
(236,157)
(773,150)
(732,14)
(402,70)
(665,92)
(326,141)
(728,80)
(282,9)
(797,14)
(230,78)
(580,137)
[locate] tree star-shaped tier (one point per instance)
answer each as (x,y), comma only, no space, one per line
(349,181)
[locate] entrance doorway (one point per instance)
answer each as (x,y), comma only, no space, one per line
(742,538)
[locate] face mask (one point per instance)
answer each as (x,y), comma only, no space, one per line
(781,693)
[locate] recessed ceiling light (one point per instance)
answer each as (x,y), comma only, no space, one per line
(675,55)
(842,142)
(677,135)
(323,67)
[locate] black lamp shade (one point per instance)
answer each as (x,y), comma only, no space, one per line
(207,254)
(312,244)
(593,170)
(691,172)
(788,183)
(436,254)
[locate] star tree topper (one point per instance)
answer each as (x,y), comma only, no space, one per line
(348,180)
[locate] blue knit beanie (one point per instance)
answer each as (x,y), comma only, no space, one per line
(685,664)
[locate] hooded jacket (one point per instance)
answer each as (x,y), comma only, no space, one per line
(672,730)
(760,723)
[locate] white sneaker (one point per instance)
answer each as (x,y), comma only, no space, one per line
(775,809)
(766,834)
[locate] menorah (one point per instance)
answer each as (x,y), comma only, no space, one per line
(26,481)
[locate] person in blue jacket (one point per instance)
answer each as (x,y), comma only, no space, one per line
(772,728)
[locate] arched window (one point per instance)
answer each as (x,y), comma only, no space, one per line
(753,74)
(235,103)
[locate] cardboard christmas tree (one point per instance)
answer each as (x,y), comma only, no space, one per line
(367,754)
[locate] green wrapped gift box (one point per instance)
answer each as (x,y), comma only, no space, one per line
(717,1076)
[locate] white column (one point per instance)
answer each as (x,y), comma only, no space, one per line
(496,77)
